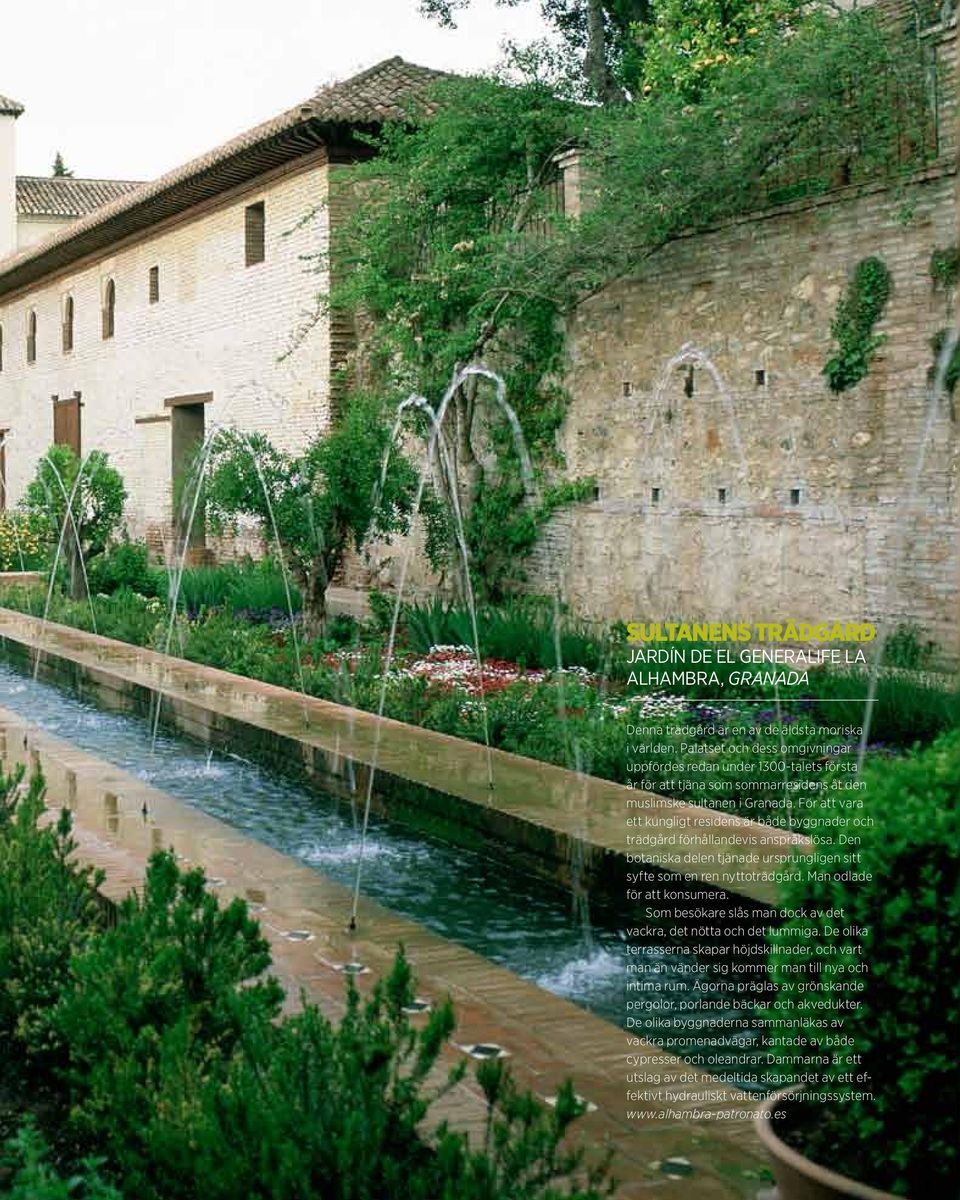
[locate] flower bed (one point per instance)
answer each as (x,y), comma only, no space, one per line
(582,718)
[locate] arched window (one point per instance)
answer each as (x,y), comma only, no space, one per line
(109,308)
(68,325)
(32,336)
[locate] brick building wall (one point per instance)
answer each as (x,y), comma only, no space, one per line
(219,327)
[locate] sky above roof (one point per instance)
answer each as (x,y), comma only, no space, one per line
(130,90)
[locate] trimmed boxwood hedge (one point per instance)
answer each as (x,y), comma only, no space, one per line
(902,1013)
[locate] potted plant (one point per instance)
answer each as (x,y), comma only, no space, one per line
(864,1026)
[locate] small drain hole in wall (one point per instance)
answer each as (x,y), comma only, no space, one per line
(417,1006)
(486,1050)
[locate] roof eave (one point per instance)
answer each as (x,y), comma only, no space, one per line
(69,246)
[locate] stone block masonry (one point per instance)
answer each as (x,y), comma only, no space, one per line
(768,495)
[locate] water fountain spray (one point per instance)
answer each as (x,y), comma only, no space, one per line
(935,394)
(195,482)
(436,447)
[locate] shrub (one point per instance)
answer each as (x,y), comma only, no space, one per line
(176,970)
(307,1108)
(344,630)
(258,589)
(96,494)
(905,709)
(202,589)
(27,598)
(904,1019)
(253,589)
(381,610)
(34,1178)
(21,548)
(47,913)
(907,649)
(126,564)
(183,1073)
(219,640)
(523,630)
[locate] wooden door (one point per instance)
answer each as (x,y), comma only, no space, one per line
(66,422)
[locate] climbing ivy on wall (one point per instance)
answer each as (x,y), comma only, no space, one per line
(858,311)
(457,247)
(945,266)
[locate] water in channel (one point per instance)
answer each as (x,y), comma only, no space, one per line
(503,914)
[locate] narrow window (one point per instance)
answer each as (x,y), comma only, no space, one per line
(154,285)
(760,377)
(32,337)
(67,325)
(722,495)
(627,388)
(654,495)
(794,495)
(109,309)
(596,491)
(255,233)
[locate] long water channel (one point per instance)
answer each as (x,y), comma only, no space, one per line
(502,913)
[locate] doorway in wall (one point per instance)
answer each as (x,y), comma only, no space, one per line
(66,422)
(3,469)
(187,431)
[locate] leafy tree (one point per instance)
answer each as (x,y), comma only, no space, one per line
(78,504)
(689,39)
(455,255)
(320,502)
(600,34)
(60,169)
(448,254)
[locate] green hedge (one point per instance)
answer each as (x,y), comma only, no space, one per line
(154,1055)
(904,1018)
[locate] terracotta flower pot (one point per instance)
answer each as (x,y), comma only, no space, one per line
(797,1177)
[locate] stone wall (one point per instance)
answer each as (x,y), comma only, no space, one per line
(760,494)
(219,327)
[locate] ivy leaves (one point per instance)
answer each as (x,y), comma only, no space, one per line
(858,311)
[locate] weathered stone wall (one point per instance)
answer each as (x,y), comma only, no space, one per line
(219,327)
(763,495)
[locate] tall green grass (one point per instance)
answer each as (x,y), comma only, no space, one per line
(524,631)
(251,587)
(905,710)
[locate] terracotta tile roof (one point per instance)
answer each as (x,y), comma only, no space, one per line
(10,108)
(374,95)
(380,93)
(61,196)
